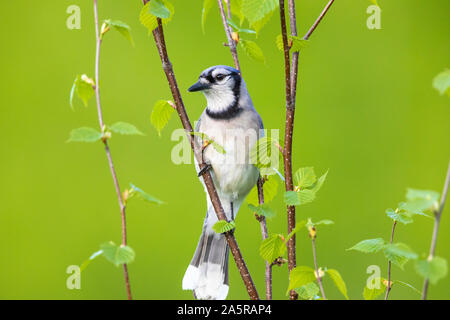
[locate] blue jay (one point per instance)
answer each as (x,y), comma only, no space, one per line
(231,121)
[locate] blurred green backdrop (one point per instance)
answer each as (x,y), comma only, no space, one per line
(366,111)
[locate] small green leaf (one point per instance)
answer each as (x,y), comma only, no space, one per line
(272,247)
(223,226)
(434,269)
(398,253)
(143,195)
(296,43)
(149,20)
(265,154)
(305,177)
(311,224)
(161,113)
(256,10)
(291,198)
(373,293)
(83,87)
(422,199)
(407,285)
(84,135)
(158,9)
(262,210)
(442,82)
(300,276)
(338,281)
(252,50)
(125,128)
(369,245)
(318,185)
(122,28)
(309,291)
(399,215)
(270,189)
(117,254)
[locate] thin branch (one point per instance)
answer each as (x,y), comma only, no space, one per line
(288,135)
(291,78)
(389,285)
(264,233)
(437,221)
(158,35)
(107,149)
(319,278)
(228,31)
(228,8)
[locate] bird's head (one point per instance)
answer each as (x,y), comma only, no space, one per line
(221,86)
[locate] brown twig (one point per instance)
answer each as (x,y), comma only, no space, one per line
(291,76)
(107,149)
(264,233)
(316,268)
(228,31)
(437,220)
(389,285)
(158,35)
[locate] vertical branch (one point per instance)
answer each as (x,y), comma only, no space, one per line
(291,76)
(316,268)
(264,233)
(107,149)
(288,135)
(389,286)
(158,35)
(228,31)
(437,220)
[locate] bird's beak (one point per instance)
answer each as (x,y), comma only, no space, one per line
(198,86)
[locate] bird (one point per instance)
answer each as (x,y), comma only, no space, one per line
(231,121)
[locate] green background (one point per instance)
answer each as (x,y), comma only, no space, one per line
(366,111)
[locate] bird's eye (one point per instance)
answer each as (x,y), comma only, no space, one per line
(220,77)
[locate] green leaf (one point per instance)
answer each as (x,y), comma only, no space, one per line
(125,128)
(135,191)
(399,215)
(207,5)
(161,113)
(398,253)
(291,198)
(369,245)
(442,82)
(373,293)
(434,269)
(258,25)
(300,276)
(149,20)
(158,9)
(422,199)
(297,228)
(272,247)
(265,154)
(84,135)
(117,254)
(236,9)
(262,210)
(122,28)
(319,182)
(305,177)
(223,226)
(252,50)
(311,224)
(205,138)
(270,189)
(309,291)
(298,43)
(83,87)
(256,10)
(338,281)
